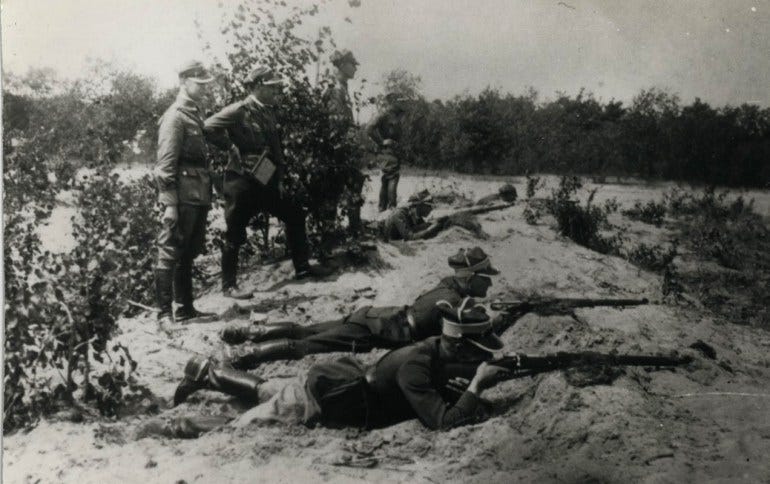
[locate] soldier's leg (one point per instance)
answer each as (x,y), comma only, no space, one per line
(356,202)
(293,218)
(342,337)
(204,373)
(167,244)
(192,229)
(392,190)
(256,333)
(239,209)
(383,205)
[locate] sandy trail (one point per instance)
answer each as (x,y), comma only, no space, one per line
(663,426)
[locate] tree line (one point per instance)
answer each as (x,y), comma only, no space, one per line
(655,137)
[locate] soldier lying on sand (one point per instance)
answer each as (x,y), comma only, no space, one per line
(364,330)
(405,383)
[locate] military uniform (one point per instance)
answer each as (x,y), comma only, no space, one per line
(253,129)
(401,224)
(342,108)
(410,382)
(385,130)
(184,181)
(362,331)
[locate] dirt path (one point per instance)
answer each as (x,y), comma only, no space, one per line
(708,422)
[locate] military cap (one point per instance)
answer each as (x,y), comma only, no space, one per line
(262,75)
(470,322)
(339,57)
(472,261)
(194,71)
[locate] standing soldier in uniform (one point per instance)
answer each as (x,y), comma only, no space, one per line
(184,184)
(253,180)
(342,108)
(385,131)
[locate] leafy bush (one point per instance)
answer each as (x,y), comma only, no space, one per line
(61,308)
(650,213)
(582,224)
(652,257)
(322,151)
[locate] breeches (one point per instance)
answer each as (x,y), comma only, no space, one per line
(184,238)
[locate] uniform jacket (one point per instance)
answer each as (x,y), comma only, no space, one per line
(404,384)
(425,316)
(182,169)
(339,102)
(400,225)
(252,127)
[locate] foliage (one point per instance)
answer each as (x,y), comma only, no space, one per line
(322,150)
(582,224)
(652,257)
(61,308)
(103,118)
(650,213)
(653,137)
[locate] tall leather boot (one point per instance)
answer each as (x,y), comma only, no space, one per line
(240,333)
(183,291)
(250,356)
(164,296)
(230,273)
(201,373)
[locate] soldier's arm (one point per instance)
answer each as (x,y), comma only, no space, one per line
(170,138)
(415,381)
(216,126)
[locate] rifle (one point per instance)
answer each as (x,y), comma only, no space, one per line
(557,305)
(513,310)
(474,211)
(521,366)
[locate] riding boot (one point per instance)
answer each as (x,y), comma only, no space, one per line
(164,295)
(183,291)
(249,357)
(229,265)
(256,333)
(201,373)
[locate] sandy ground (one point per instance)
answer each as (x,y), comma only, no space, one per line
(709,422)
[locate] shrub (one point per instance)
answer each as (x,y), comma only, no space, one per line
(652,257)
(582,224)
(650,213)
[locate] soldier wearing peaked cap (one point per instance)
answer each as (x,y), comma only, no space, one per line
(253,180)
(184,185)
(345,65)
(362,331)
(405,383)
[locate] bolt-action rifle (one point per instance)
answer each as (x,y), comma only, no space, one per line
(520,366)
(551,306)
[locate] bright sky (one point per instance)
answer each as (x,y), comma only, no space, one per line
(713,49)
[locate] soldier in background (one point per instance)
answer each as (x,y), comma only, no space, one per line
(342,108)
(506,193)
(385,131)
(184,185)
(253,179)
(408,223)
